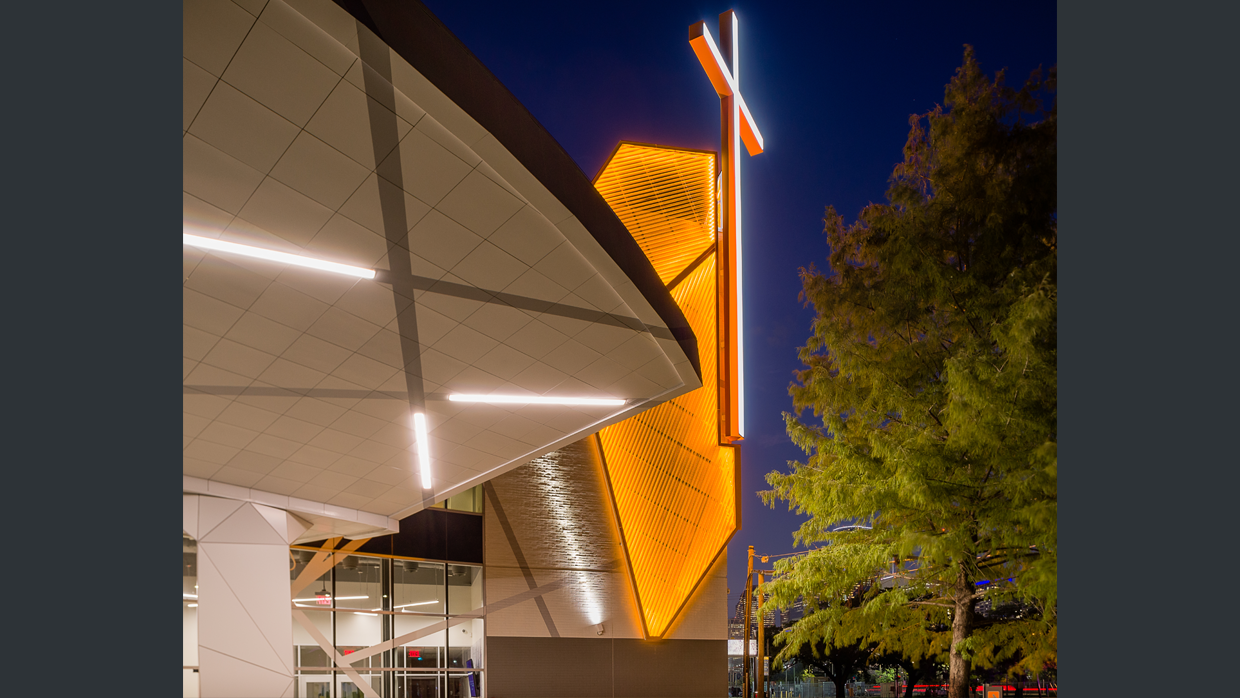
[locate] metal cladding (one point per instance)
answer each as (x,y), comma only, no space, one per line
(671,478)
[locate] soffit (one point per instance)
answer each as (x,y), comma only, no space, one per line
(298,382)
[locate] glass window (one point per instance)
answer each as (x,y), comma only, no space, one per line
(465,685)
(359,583)
(417,587)
(465,640)
(464,588)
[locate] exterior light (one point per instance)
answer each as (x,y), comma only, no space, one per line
(216,245)
(424,449)
(535,400)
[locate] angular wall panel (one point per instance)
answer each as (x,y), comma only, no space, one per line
(672,481)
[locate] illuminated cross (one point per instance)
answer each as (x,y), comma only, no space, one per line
(737,124)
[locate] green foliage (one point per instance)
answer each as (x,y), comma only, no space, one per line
(931,377)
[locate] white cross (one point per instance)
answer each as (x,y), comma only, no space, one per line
(737,124)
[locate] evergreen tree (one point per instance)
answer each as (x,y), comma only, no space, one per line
(931,377)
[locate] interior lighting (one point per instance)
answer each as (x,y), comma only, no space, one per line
(189,596)
(420,603)
(193,605)
(338,598)
(535,400)
(284,257)
(424,449)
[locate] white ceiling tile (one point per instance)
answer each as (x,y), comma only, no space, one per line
(315,353)
(336,441)
(209,219)
(447,139)
(206,375)
(211,32)
(277,485)
(474,380)
(274,446)
(274,398)
(210,452)
(423,168)
(494,176)
(394,435)
(199,468)
(327,16)
(365,372)
(254,462)
(218,277)
(195,343)
(390,476)
(634,385)
(315,411)
(254,7)
(286,213)
(314,456)
(528,236)
(604,338)
(353,501)
(366,207)
(514,426)
(441,241)
(342,240)
(457,431)
(597,292)
(539,378)
(243,128)
(384,347)
(228,435)
(408,80)
(293,26)
(533,284)
(496,445)
(602,373)
(465,456)
(319,171)
(236,476)
(238,358)
(489,267)
(203,404)
(332,481)
(366,79)
(498,321)
(356,467)
(388,410)
(192,424)
(284,78)
(571,356)
(327,288)
(343,329)
(365,426)
(565,325)
(345,389)
(479,204)
(196,84)
(661,371)
(187,367)
(293,429)
(440,368)
(639,350)
(565,266)
(450,308)
(256,331)
(372,302)
(297,472)
(536,339)
(216,177)
(288,307)
(465,344)
(248,416)
(287,374)
(344,122)
(503,361)
(367,488)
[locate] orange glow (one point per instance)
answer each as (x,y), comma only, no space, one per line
(672,482)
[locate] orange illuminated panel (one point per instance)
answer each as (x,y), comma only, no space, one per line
(666,198)
(672,482)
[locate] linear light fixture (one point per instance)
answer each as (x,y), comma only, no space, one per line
(338,598)
(193,605)
(420,603)
(274,256)
(535,400)
(189,596)
(424,449)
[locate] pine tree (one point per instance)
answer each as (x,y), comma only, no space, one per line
(931,377)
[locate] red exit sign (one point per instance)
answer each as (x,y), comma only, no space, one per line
(416,654)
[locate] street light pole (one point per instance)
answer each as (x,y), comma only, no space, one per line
(761,670)
(745,642)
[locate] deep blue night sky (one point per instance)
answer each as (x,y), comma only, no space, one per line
(831,86)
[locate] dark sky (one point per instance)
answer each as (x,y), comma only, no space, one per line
(831,85)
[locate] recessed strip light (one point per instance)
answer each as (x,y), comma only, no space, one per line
(193,605)
(284,257)
(420,603)
(338,598)
(189,596)
(424,449)
(535,400)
